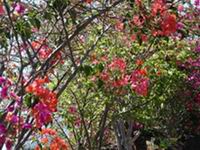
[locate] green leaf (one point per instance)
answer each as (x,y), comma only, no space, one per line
(37,23)
(100,67)
(27,100)
(88,70)
(99,83)
(47,16)
(23,28)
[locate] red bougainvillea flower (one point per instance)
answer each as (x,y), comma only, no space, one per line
(47,101)
(169,24)
(139,82)
(119,26)
(117,64)
(138,2)
(138,20)
(104,76)
(158,7)
(37,147)
(139,62)
(88,1)
(104,58)
(43,50)
(48,131)
(44,140)
(133,37)
(144,38)
(58,144)
(43,93)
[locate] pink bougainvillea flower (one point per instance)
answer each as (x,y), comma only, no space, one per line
(197,49)
(2,128)
(180,8)
(15,119)
(27,126)
(82,39)
(2,134)
(77,122)
(197,99)
(72,109)
(2,10)
(10,108)
(137,125)
(9,144)
(34,30)
(2,139)
(19,8)
(141,86)
(42,114)
(179,25)
(4,92)
(2,80)
(14,96)
(197,2)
